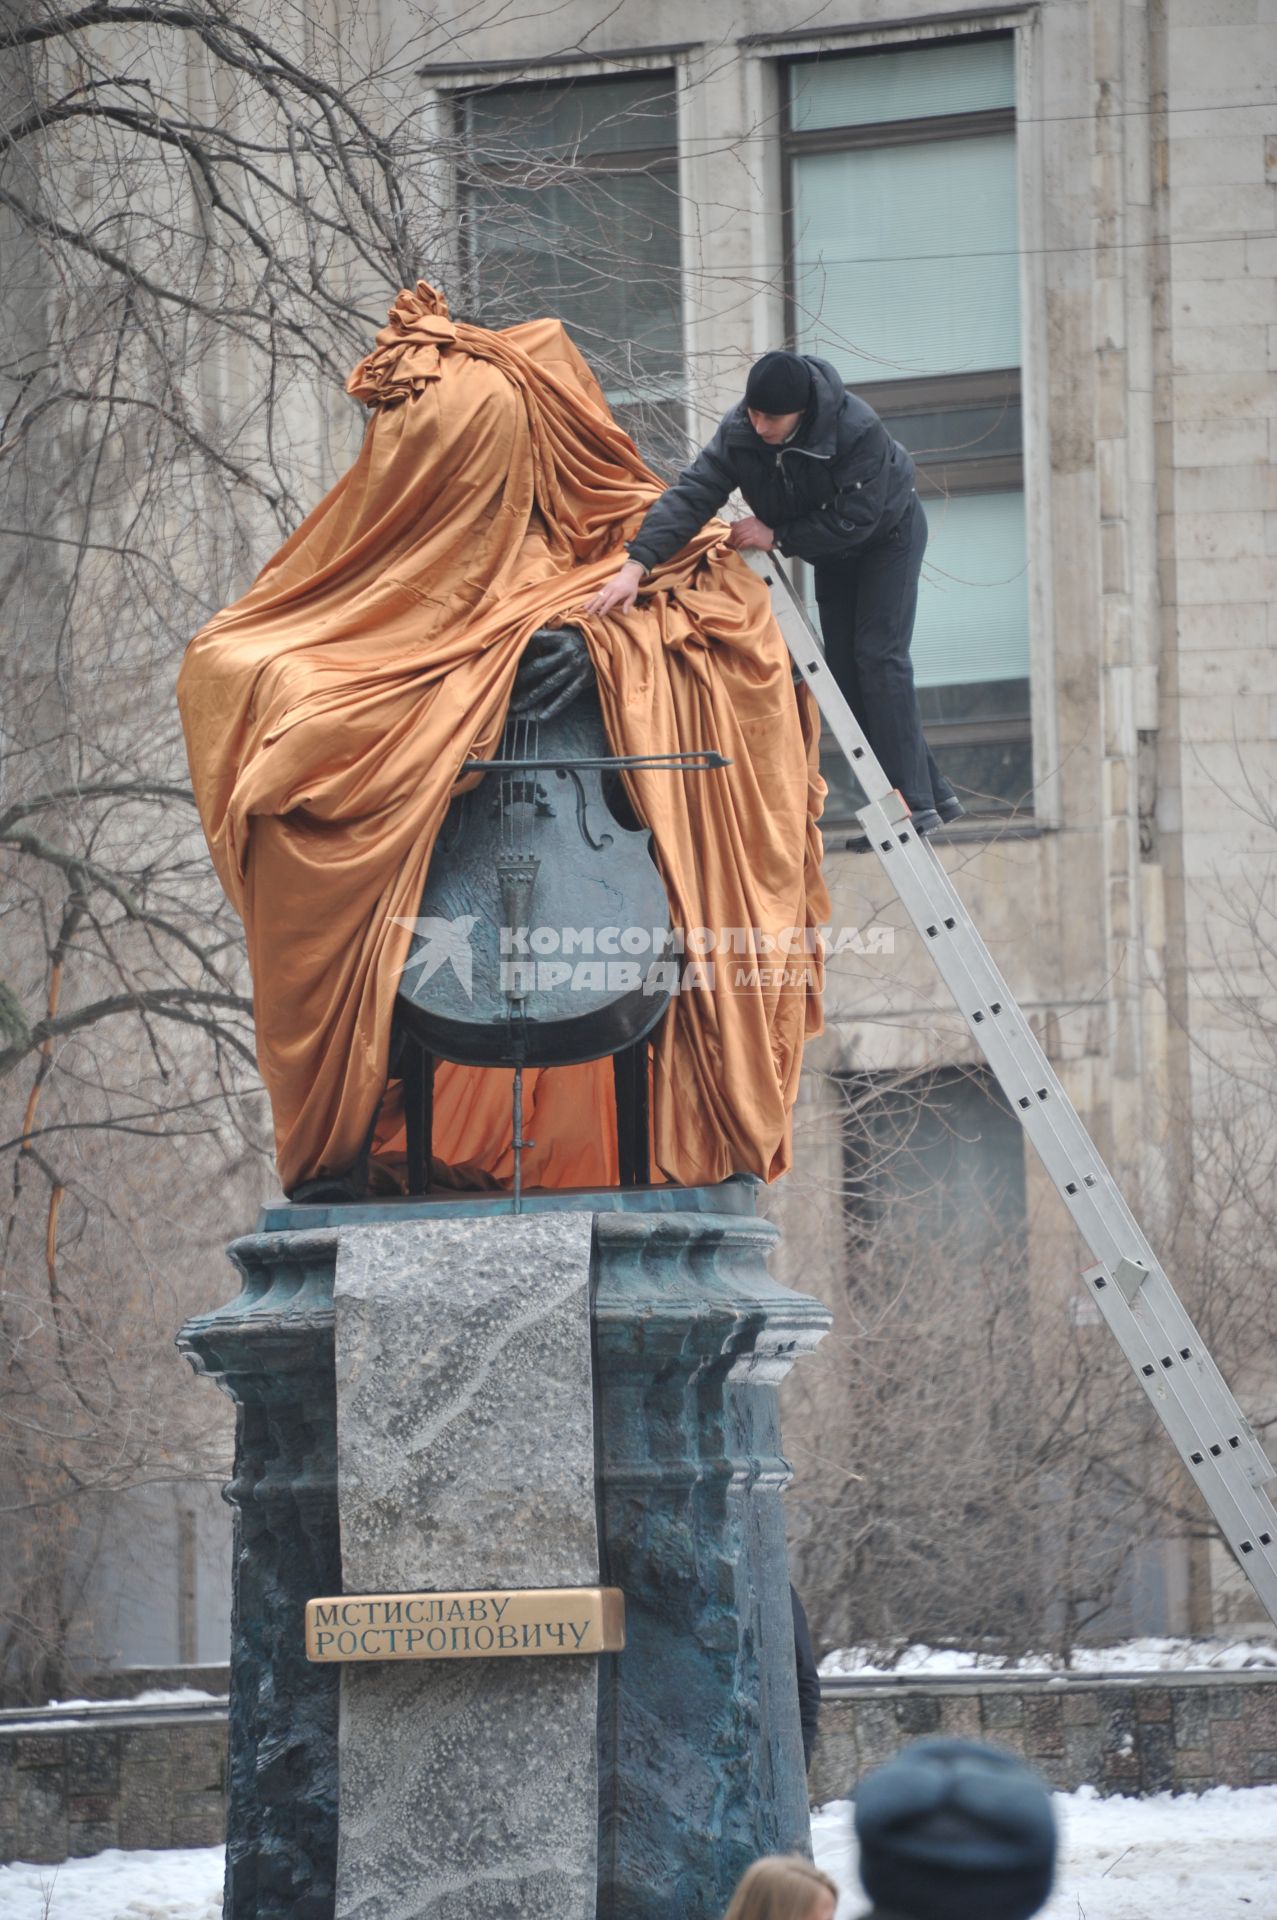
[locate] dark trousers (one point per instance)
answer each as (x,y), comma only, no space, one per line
(867,606)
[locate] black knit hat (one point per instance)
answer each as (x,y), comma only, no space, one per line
(952,1830)
(778,383)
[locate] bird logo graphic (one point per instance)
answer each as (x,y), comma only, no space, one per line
(438,941)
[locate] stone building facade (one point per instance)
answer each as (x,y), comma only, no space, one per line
(1042,239)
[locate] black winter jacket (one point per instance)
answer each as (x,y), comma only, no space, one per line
(808,1677)
(841,483)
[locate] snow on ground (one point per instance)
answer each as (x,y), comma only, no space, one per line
(1210,1856)
(1131,1656)
(181,1884)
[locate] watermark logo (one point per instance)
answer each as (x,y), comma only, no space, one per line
(443,942)
(615,960)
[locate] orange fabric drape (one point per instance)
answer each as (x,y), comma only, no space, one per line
(327,714)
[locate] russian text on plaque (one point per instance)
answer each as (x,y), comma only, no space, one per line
(460,1626)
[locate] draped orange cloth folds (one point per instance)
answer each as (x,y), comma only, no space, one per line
(327,714)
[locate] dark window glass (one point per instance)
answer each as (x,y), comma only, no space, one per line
(570,207)
(585,119)
(903,270)
(943,1153)
(959,433)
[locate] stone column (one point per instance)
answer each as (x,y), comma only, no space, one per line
(271,1350)
(701,1749)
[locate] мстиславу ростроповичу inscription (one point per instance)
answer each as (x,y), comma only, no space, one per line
(445,1626)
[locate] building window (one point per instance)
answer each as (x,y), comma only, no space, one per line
(570,206)
(934,1162)
(904,272)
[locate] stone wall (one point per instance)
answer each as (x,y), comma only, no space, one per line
(72,1784)
(1128,1733)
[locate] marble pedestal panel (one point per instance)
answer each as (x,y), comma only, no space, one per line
(465,1443)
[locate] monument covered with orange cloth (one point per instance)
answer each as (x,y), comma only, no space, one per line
(329,711)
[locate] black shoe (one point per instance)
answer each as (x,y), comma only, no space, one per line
(951,809)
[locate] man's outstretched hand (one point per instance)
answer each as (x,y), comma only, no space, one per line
(621,591)
(750,532)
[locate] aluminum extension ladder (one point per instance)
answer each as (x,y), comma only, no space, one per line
(1143,1311)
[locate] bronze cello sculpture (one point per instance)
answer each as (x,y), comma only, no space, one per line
(547,843)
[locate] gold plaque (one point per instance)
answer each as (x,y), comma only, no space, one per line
(466,1626)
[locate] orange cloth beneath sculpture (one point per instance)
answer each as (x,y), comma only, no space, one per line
(328,712)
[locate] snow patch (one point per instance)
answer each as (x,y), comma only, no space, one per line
(183,1883)
(1130,1656)
(153,1697)
(1210,1856)
(1169,1857)
(169,1697)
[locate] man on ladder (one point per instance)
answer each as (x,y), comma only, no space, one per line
(826,483)
(1127,1282)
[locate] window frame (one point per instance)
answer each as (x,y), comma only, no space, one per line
(667,160)
(976,472)
(938,479)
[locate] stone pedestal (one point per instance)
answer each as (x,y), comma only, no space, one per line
(699,1751)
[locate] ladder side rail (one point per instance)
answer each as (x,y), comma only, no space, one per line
(1181,1382)
(1140,1306)
(996,1018)
(1038,1099)
(1244,1513)
(1056,1131)
(1072,1161)
(808,656)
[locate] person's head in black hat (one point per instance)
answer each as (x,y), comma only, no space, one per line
(777,395)
(953,1830)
